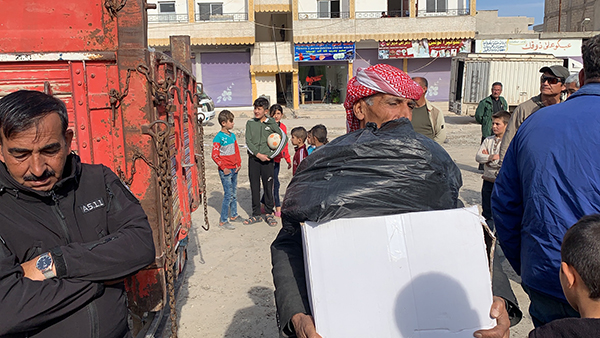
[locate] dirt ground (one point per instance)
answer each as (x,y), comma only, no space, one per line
(228,290)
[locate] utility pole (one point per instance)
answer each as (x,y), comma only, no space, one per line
(559,13)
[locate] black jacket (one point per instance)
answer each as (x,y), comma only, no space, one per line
(369,172)
(96,230)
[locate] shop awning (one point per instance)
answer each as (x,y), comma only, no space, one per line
(246,40)
(272,69)
(384,37)
(285,8)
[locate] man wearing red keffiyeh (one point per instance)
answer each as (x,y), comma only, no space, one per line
(379,94)
(376,95)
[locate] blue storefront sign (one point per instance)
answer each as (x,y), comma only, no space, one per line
(332,51)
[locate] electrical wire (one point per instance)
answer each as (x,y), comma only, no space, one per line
(285,97)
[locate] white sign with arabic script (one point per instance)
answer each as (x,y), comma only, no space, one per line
(556,47)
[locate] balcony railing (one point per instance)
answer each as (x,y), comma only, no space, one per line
(222,17)
(323,15)
(382,14)
(167,18)
(448,12)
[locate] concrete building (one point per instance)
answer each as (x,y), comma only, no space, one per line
(296,51)
(571,15)
(304,51)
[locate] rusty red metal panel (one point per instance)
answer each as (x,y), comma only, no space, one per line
(31,75)
(148,284)
(81,53)
(104,145)
(56,26)
(81,112)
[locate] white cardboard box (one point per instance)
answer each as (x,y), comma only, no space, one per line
(422,275)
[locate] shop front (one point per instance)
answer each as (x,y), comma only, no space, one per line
(566,49)
(226,78)
(430,59)
(323,71)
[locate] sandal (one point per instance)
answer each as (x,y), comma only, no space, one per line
(252,220)
(270,219)
(237,218)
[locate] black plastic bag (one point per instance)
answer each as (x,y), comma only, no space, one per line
(373,172)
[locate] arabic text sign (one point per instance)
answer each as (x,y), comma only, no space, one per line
(556,47)
(422,48)
(337,51)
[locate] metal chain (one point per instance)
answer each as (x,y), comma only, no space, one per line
(114,6)
(116,97)
(203,175)
(161,91)
(136,156)
(161,139)
(200,155)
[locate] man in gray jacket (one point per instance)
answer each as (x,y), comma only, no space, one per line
(552,84)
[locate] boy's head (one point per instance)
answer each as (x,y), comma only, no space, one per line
(225,118)
(298,136)
(261,107)
(580,267)
(309,137)
(319,134)
(499,121)
(276,112)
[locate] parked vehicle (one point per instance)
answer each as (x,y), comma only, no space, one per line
(131,109)
(206,107)
(472,75)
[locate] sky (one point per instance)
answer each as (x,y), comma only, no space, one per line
(530,8)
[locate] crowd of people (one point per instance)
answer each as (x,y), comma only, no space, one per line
(540,192)
(264,161)
(86,231)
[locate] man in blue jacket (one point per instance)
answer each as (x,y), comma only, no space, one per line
(549,179)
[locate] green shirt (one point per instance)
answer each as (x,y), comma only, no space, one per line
(421,122)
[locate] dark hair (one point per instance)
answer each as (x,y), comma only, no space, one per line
(261,102)
(502,114)
(497,84)
(225,116)
(590,51)
(421,81)
(320,133)
(300,133)
(274,108)
(580,248)
(24,109)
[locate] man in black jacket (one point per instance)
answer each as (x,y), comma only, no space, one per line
(69,232)
(380,100)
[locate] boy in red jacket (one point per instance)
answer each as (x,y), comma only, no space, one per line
(298,141)
(226,155)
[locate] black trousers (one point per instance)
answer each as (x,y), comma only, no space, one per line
(486,199)
(260,171)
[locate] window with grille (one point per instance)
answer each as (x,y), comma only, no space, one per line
(329,9)
(166,7)
(210,8)
(436,6)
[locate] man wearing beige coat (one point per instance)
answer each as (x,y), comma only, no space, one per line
(427,119)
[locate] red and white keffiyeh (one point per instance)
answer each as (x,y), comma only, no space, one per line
(380,78)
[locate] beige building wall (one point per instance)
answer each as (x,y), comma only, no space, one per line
(265,85)
(488,22)
(574,15)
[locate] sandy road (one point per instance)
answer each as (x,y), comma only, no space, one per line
(231,293)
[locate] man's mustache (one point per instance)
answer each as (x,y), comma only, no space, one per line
(46,174)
